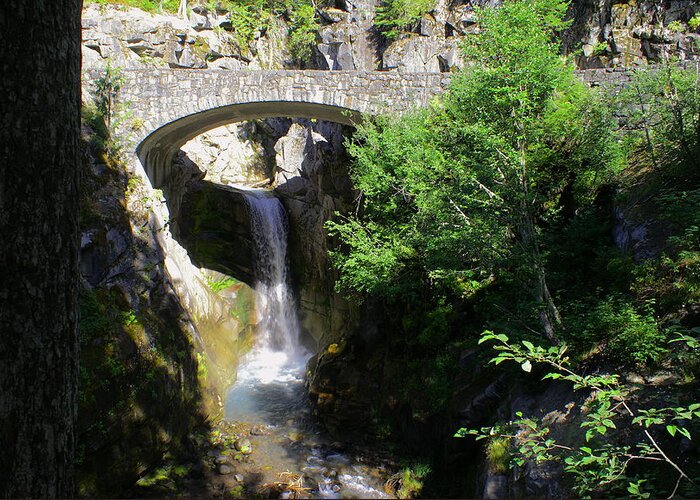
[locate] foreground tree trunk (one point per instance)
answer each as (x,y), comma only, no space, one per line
(39,151)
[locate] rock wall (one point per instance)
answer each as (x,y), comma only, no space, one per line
(306,165)
(604,33)
(131,38)
(158,345)
(614,33)
(311,178)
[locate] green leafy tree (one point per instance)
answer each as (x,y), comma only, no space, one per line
(456,195)
(107,88)
(303,30)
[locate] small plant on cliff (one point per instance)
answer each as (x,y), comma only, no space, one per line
(594,462)
(221,284)
(106,90)
(600,48)
(248,20)
(498,454)
(397,16)
(694,22)
(302,31)
(408,483)
(676,27)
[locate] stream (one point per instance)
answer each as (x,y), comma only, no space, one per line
(269,394)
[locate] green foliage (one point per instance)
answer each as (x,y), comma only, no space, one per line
(108,111)
(249,19)
(498,454)
(394,17)
(694,22)
(128,318)
(303,30)
(673,280)
(107,88)
(600,48)
(202,369)
(629,336)
(663,104)
(221,284)
(676,27)
(451,196)
(594,463)
(93,321)
(237,492)
(164,476)
(152,6)
(408,483)
(252,18)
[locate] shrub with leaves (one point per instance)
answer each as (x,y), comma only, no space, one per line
(594,461)
(663,105)
(397,16)
(694,22)
(302,31)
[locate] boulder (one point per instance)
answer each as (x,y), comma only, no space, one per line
(224,469)
(243,445)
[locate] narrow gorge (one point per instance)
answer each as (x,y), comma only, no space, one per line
(385,249)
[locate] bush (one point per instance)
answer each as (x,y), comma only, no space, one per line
(630,337)
(408,483)
(396,16)
(668,122)
(498,454)
(694,22)
(302,32)
(676,27)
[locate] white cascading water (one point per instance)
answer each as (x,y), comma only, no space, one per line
(269,387)
(276,362)
(279,325)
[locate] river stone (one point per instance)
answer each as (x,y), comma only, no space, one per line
(224,469)
(238,477)
(257,430)
(244,446)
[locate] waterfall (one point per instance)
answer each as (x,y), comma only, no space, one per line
(269,389)
(276,357)
(278,327)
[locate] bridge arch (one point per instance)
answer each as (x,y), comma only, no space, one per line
(156,150)
(174,106)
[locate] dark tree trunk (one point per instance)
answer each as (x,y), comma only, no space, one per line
(39,158)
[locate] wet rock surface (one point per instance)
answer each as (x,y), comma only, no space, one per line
(309,467)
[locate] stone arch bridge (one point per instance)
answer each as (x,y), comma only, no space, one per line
(173,106)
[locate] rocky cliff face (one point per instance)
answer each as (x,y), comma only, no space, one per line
(131,38)
(305,163)
(631,32)
(604,33)
(312,180)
